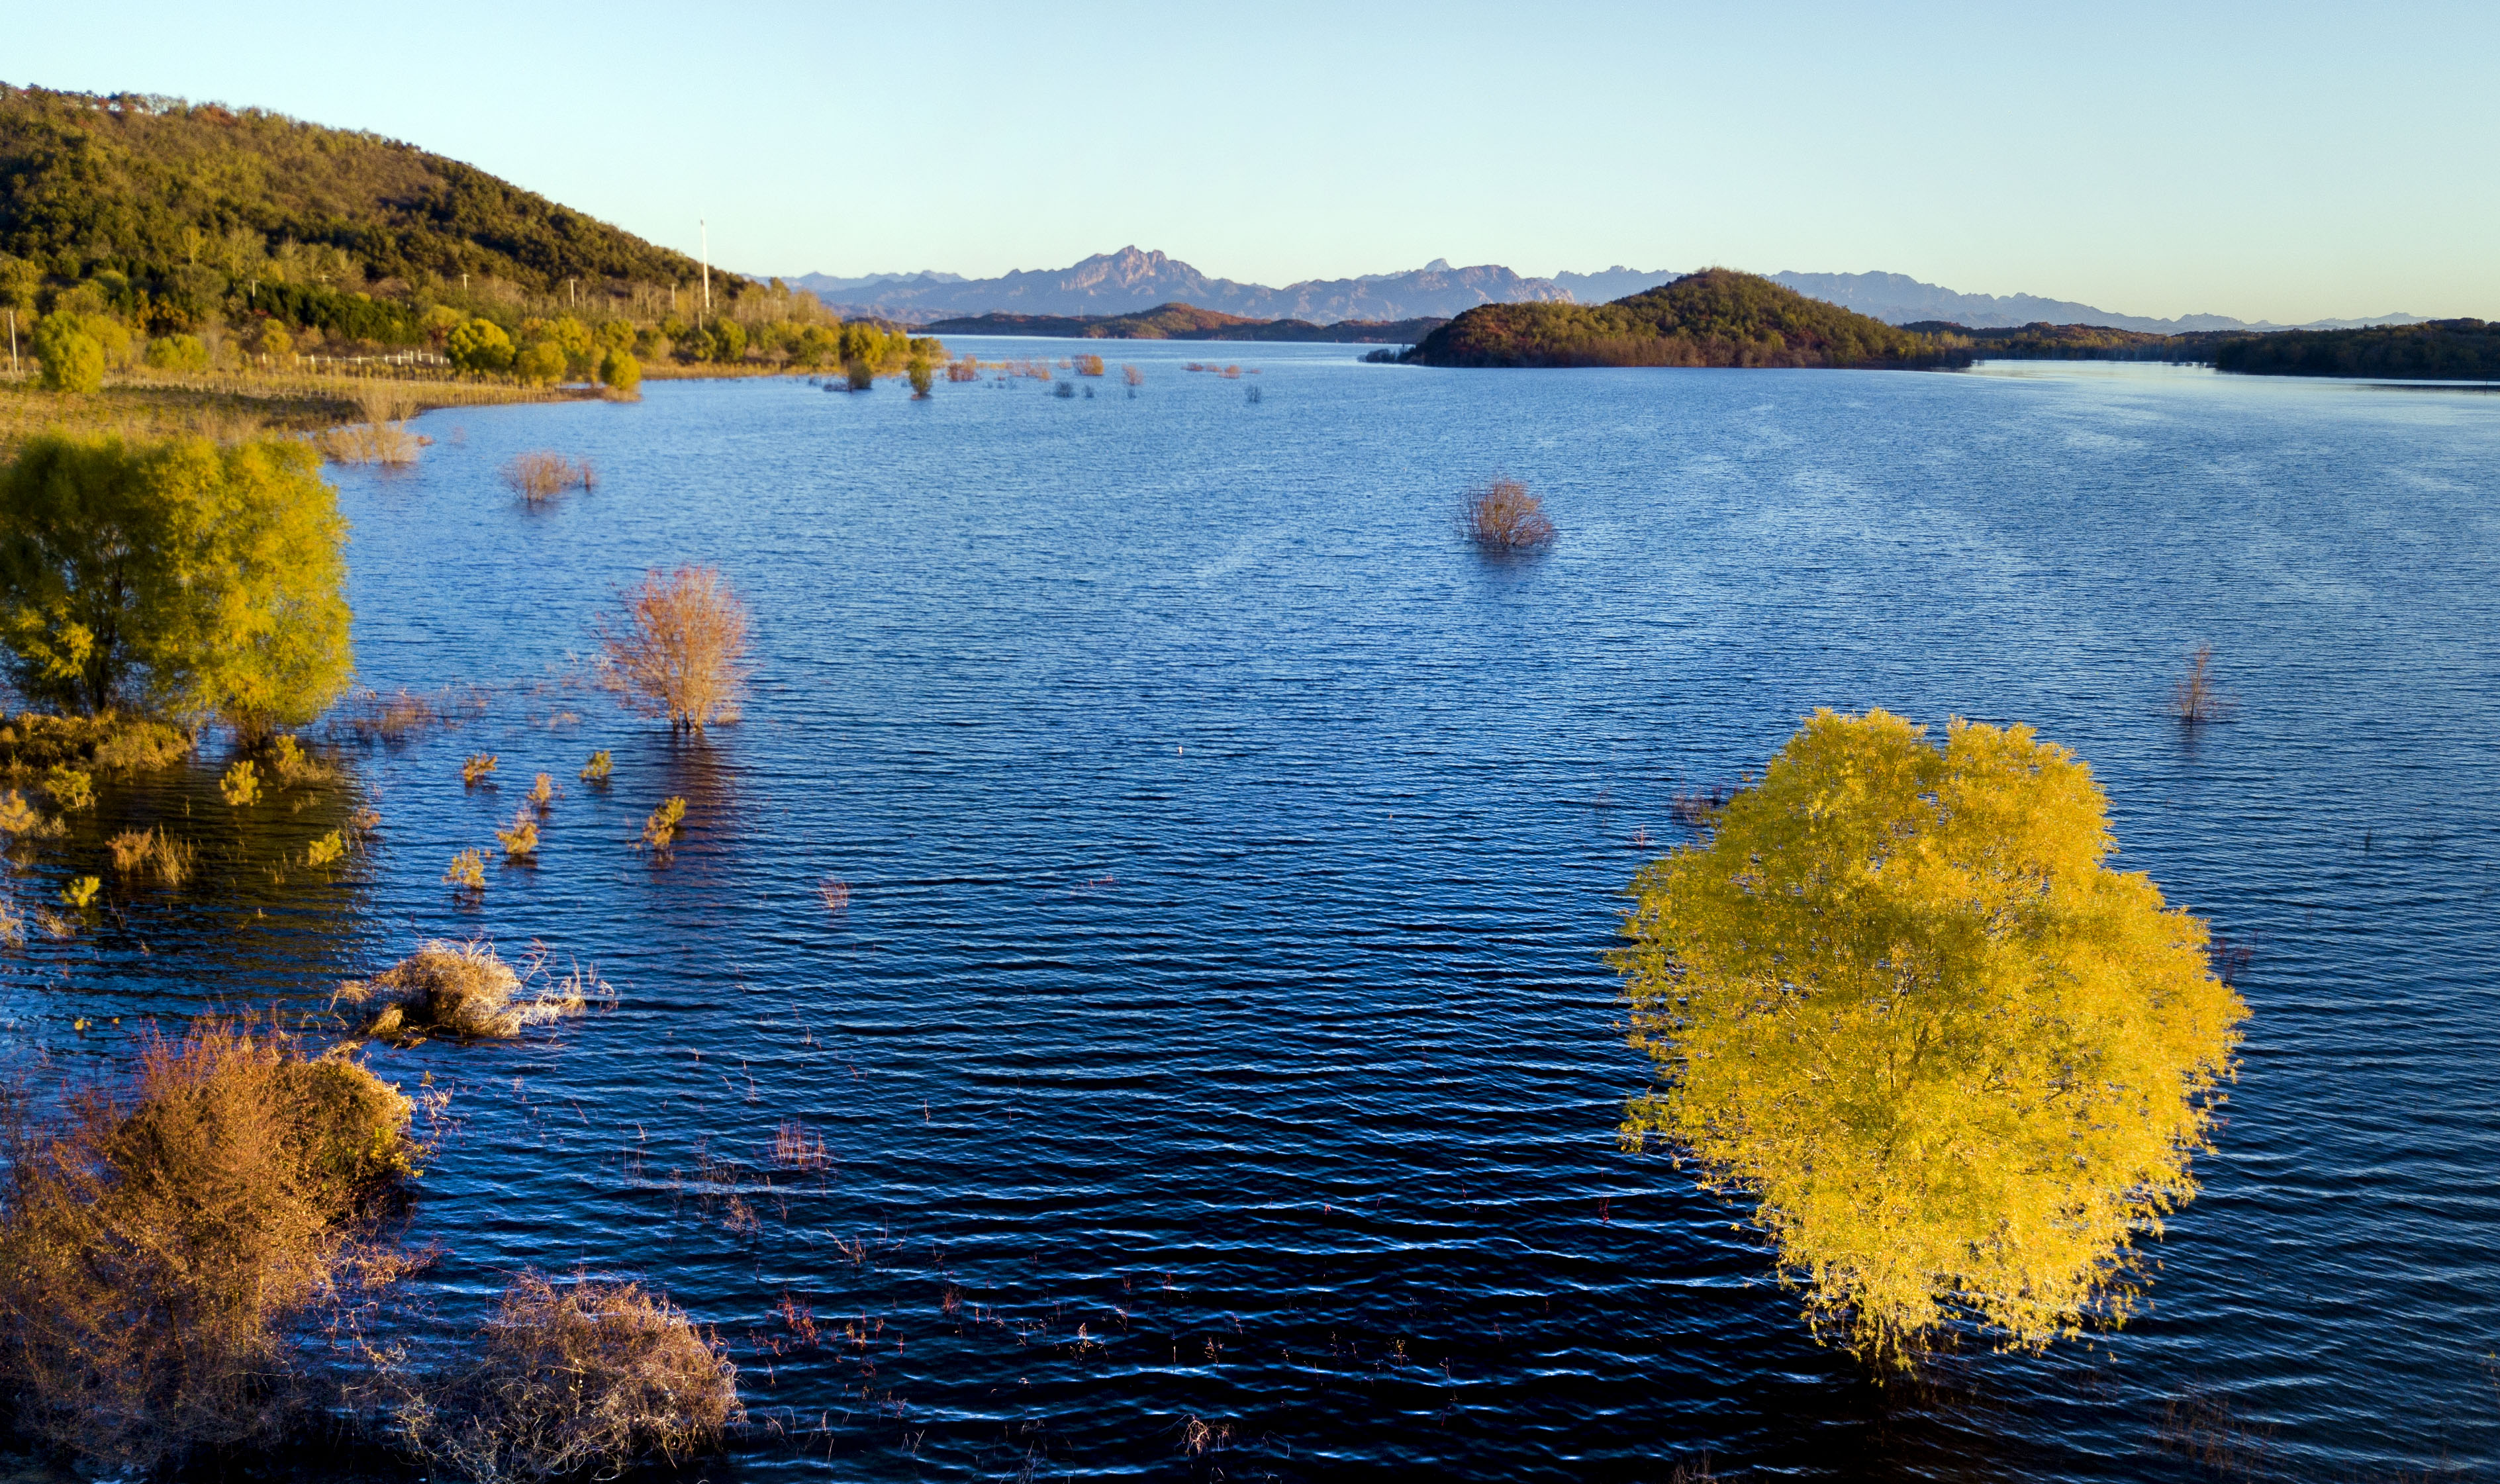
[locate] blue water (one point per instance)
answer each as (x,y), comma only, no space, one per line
(1215,1050)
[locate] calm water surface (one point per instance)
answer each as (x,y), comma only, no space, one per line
(1215,1055)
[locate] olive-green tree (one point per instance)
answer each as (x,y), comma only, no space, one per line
(179,576)
(620,371)
(1957,1063)
(478,345)
(542,363)
(579,346)
(71,359)
(179,352)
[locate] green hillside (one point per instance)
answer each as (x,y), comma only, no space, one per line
(145,185)
(1715,317)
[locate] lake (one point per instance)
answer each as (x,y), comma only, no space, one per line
(1215,1057)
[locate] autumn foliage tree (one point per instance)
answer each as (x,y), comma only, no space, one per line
(1959,1065)
(678,650)
(176,577)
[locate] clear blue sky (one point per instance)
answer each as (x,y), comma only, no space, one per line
(2281,161)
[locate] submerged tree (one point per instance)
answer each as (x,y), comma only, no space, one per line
(680,649)
(180,576)
(1957,1064)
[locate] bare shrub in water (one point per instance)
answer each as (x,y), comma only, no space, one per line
(578,1380)
(390,719)
(1698,808)
(541,475)
(1502,517)
(2194,700)
(166,1244)
(464,990)
(678,650)
(383,438)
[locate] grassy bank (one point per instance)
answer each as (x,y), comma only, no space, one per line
(232,406)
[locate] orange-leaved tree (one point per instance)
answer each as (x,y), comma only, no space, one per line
(1898,1000)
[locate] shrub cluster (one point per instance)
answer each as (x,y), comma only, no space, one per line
(163,1244)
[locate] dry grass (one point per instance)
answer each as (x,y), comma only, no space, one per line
(465,989)
(542,476)
(2195,700)
(393,718)
(151,855)
(835,892)
(680,649)
(963,368)
(166,1244)
(476,768)
(1502,518)
(111,744)
(575,1381)
(795,1148)
(230,407)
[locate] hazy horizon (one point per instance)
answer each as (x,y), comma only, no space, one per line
(2151,159)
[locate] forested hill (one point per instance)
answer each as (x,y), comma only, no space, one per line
(142,185)
(1715,317)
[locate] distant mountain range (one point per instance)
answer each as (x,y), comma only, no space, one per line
(1901,300)
(1131,282)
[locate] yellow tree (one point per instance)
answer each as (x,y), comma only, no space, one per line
(180,575)
(1899,1002)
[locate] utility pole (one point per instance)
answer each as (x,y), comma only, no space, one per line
(706,265)
(13,343)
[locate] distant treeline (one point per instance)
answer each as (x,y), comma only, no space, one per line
(2041,340)
(2438,350)
(1188,322)
(1715,317)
